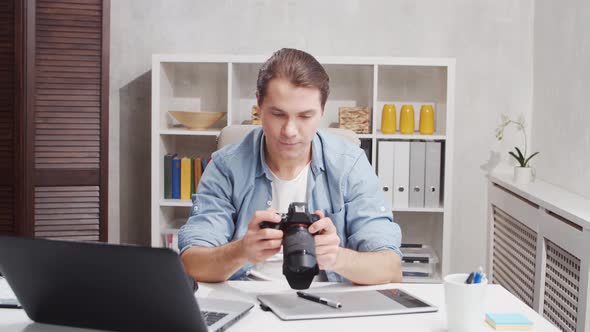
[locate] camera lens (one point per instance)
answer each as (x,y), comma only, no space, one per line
(299,261)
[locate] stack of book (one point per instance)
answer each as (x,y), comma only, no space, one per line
(182,175)
(419,260)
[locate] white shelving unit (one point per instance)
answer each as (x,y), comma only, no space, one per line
(227,83)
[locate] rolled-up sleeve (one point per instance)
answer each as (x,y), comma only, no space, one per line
(211,220)
(369,220)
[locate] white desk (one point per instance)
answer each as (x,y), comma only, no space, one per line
(498,300)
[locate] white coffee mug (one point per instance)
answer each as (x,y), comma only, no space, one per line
(464,303)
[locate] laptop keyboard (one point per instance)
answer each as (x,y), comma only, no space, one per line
(211,317)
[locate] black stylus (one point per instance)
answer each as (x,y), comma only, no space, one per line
(321,300)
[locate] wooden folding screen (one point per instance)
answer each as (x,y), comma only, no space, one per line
(62,121)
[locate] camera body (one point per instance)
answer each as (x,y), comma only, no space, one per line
(299,260)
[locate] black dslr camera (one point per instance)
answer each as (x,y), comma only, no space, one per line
(299,262)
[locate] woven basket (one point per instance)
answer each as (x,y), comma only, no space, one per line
(256,115)
(357,119)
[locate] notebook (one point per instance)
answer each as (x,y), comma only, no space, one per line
(289,306)
(509,322)
(138,288)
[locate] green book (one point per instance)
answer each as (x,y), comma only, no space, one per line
(168,175)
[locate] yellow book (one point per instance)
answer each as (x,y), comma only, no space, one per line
(185,178)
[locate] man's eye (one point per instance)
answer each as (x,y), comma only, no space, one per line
(278,114)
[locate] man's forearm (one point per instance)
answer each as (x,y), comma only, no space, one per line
(369,268)
(213,264)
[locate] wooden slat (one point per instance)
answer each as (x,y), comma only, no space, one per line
(51,76)
(69,34)
(70,2)
(83,14)
(72,227)
(65,211)
(7,118)
(42,149)
(68,57)
(43,200)
(57,115)
(72,221)
(78,63)
(79,42)
(66,166)
(67,177)
(67,143)
(77,51)
(58,4)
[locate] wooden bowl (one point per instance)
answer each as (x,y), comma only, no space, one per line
(197,120)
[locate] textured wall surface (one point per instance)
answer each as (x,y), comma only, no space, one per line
(492,41)
(561,108)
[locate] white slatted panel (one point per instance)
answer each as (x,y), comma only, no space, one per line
(562,280)
(514,250)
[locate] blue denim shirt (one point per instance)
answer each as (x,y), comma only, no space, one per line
(341,183)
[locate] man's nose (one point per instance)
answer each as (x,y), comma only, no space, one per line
(290,129)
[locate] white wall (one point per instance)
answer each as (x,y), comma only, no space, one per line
(561,107)
(492,41)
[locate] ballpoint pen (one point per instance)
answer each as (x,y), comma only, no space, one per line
(321,300)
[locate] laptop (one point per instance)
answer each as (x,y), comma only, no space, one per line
(109,287)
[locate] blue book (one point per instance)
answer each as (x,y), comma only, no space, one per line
(176,178)
(509,322)
(204,163)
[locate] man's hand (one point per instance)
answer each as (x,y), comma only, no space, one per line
(326,241)
(259,244)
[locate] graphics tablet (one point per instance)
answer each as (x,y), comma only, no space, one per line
(289,306)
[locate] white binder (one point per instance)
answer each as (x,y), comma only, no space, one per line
(385,169)
(432,175)
(417,159)
(401,174)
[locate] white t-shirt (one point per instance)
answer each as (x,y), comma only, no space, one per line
(284,192)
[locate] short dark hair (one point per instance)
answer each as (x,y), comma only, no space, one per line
(298,67)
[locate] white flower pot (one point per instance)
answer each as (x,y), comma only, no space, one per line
(524,175)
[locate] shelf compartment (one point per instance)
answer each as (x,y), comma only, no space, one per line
(351,86)
(191,87)
(414,85)
(243,91)
(183,146)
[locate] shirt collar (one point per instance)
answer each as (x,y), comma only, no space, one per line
(317,156)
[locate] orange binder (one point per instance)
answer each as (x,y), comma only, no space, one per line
(198,173)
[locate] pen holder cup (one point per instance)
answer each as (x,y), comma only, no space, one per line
(464,303)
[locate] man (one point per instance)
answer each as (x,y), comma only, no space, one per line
(286,161)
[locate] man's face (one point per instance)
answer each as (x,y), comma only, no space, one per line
(290,118)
